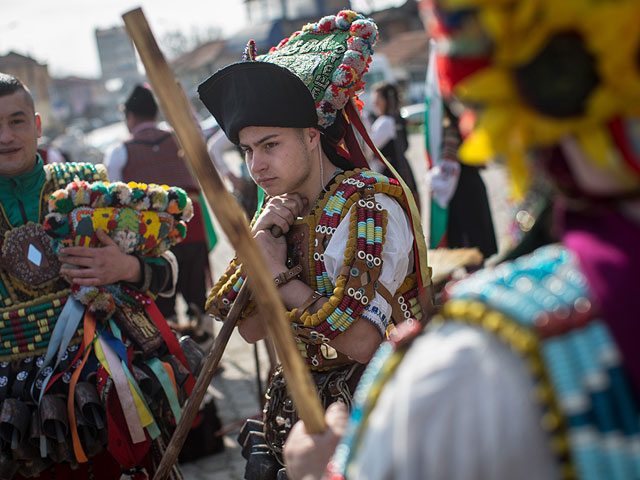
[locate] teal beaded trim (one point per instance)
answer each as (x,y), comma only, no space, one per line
(363,253)
(547,294)
(64,173)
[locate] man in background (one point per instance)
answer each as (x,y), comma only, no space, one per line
(152,155)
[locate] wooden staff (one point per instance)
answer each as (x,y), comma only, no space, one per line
(175,105)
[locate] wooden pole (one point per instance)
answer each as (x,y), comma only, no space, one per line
(192,406)
(177,110)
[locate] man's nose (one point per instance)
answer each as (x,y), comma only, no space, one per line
(258,163)
(6,135)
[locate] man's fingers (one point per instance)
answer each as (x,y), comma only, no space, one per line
(104,238)
(337,417)
(296,204)
(69,252)
(293,203)
(283,224)
(78,272)
(286,214)
(78,261)
(86,282)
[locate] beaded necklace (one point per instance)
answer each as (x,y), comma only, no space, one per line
(362,254)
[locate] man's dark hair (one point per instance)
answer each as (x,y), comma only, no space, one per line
(141,103)
(332,136)
(10,85)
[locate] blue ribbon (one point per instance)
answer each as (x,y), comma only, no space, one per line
(66,327)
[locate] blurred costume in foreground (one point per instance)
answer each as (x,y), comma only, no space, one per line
(152,155)
(531,370)
(349,268)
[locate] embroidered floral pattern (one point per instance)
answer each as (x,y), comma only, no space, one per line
(330,56)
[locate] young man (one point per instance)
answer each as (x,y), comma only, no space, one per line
(532,370)
(78,427)
(344,265)
(151,155)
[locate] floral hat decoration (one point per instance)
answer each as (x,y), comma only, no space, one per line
(327,60)
(141,219)
(330,56)
(542,71)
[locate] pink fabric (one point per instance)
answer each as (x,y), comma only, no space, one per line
(608,247)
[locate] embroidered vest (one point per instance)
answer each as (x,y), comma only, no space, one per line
(357,282)
(152,157)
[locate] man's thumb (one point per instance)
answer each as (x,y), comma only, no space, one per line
(104,238)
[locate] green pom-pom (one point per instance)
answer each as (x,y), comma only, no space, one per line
(182,197)
(182,229)
(64,205)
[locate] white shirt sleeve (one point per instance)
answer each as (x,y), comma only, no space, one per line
(397,257)
(459,407)
(115,160)
(383,130)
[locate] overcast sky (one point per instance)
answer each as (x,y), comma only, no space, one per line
(61,32)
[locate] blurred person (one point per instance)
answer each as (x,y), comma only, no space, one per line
(531,368)
(60,416)
(341,294)
(49,153)
(460,194)
(389,133)
(152,155)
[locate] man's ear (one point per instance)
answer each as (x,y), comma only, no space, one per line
(313,135)
(38,124)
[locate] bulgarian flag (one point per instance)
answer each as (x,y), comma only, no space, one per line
(433,139)
(212,238)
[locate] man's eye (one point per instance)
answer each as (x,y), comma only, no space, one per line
(271,145)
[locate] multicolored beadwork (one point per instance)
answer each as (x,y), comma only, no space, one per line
(61,174)
(26,322)
(26,331)
(365,243)
(146,219)
(363,256)
(539,305)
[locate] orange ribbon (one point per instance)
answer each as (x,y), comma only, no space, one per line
(87,342)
